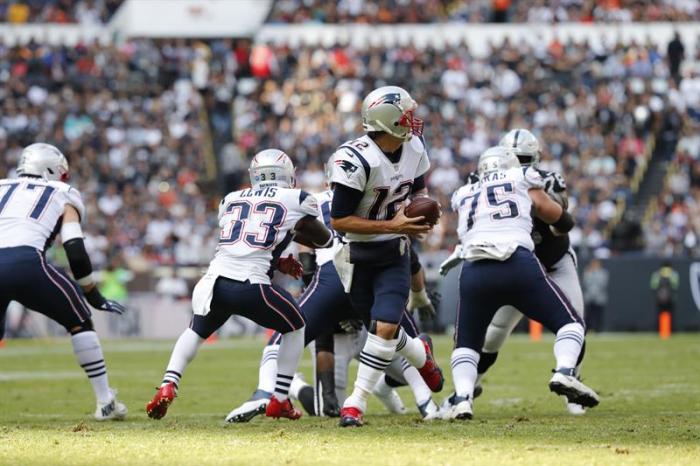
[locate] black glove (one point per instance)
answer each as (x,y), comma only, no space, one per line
(99,302)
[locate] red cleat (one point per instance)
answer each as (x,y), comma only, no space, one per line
(277,409)
(157,408)
(350,417)
(431,372)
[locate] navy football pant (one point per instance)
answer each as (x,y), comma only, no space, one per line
(267,305)
(324,303)
(27,277)
(381,292)
(520,281)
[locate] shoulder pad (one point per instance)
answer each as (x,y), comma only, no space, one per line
(472,178)
(308,203)
(553,181)
(533,178)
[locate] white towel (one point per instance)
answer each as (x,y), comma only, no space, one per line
(203,294)
(345,269)
(481,251)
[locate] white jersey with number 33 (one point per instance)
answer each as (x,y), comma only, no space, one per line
(361,165)
(31,211)
(495,213)
(256,226)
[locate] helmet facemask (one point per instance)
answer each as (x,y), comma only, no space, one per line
(413,123)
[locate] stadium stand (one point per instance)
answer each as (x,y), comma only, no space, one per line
(144,121)
(58,11)
(144,130)
(479,11)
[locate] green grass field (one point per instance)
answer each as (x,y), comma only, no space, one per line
(649,411)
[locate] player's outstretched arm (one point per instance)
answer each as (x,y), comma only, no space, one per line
(80,264)
(310,232)
(400,224)
(550,212)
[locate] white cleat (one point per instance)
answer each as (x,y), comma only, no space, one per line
(430,411)
(565,383)
(447,403)
(115,410)
(390,399)
(575,409)
(248,410)
(461,409)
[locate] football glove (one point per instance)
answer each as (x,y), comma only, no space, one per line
(351,325)
(452,261)
(99,302)
(421,301)
(290,266)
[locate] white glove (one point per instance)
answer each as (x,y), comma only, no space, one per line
(452,261)
(421,301)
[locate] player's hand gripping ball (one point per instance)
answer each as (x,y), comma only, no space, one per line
(424,207)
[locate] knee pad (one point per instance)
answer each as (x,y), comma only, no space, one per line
(85,326)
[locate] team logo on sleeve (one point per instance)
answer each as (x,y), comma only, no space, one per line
(347,167)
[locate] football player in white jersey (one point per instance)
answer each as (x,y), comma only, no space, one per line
(553,251)
(324,305)
(34,209)
(257,224)
(371,179)
(500,269)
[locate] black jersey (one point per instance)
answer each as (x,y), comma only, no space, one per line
(549,248)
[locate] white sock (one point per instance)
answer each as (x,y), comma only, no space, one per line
(421,391)
(297,384)
(464,364)
(412,349)
(183,353)
(87,349)
(267,374)
(567,345)
(290,351)
(374,358)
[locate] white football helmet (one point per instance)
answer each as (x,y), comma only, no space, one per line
(390,109)
(43,160)
(524,144)
(497,158)
(272,167)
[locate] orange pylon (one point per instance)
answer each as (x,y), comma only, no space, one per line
(665,325)
(535,330)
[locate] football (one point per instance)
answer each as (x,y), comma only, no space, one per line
(425,207)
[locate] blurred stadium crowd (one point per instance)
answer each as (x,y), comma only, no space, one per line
(479,11)
(137,120)
(58,11)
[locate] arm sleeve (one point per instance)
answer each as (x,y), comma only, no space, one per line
(79,261)
(345,201)
(418,184)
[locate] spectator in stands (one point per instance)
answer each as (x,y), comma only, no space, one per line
(498,11)
(675,52)
(58,11)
